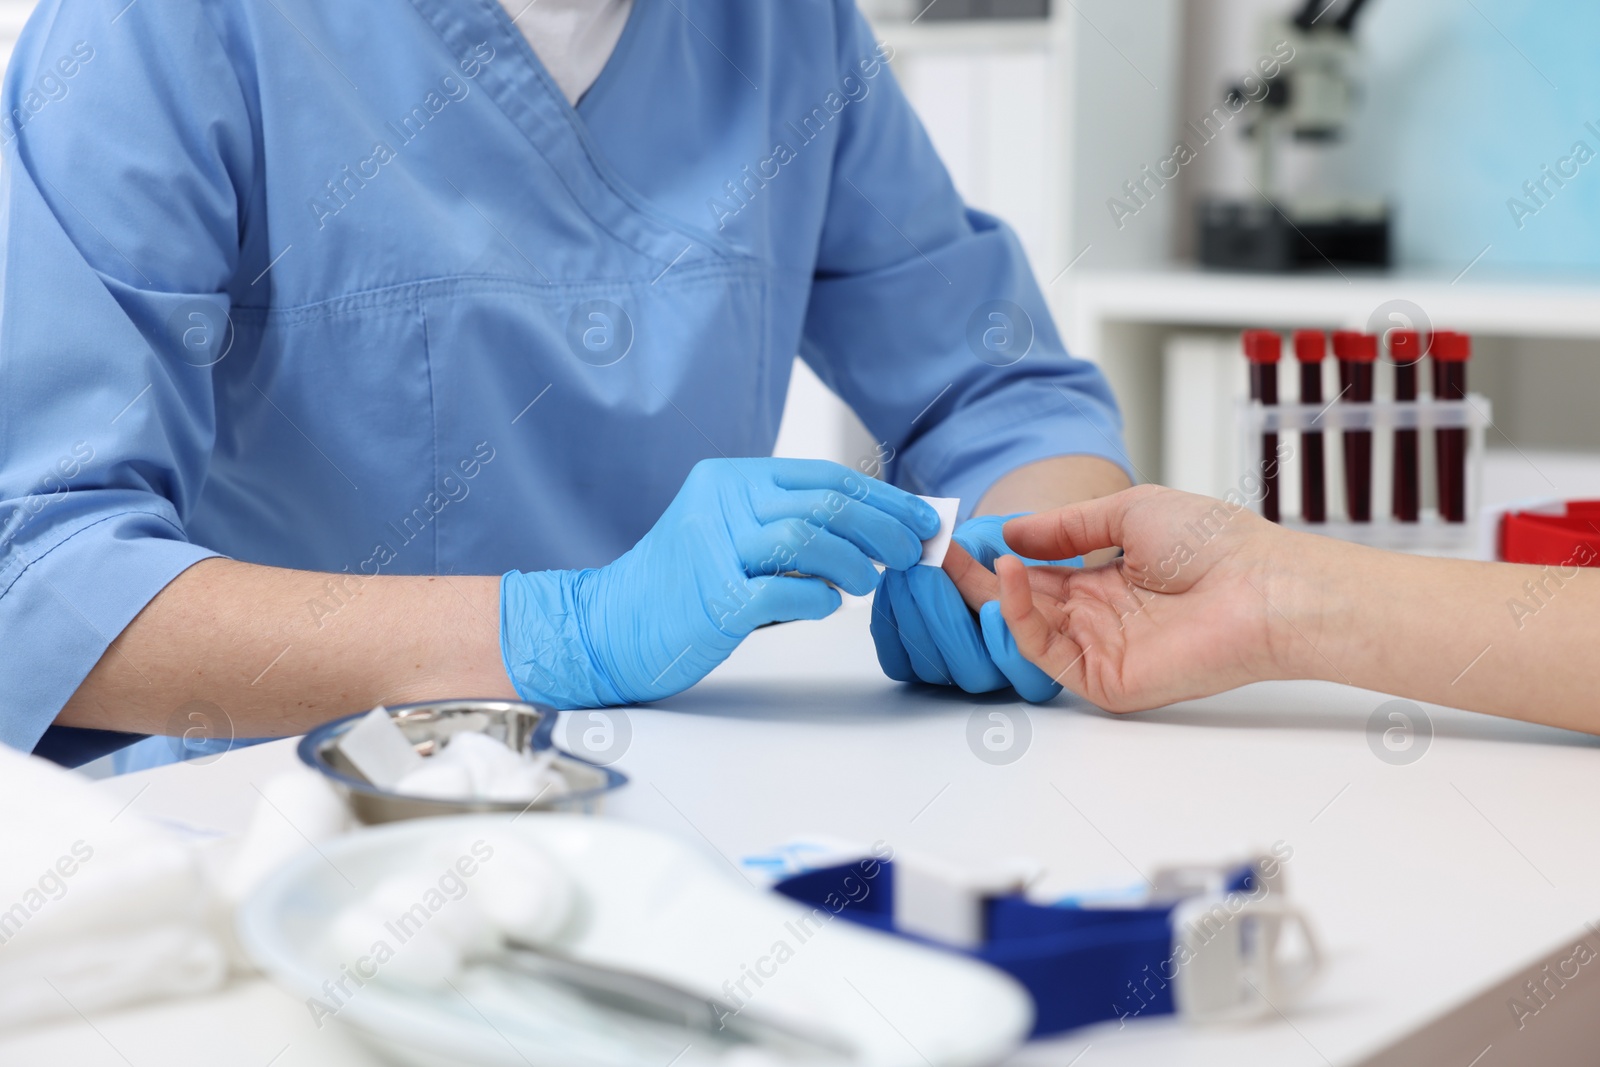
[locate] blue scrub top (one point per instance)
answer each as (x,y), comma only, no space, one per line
(350,287)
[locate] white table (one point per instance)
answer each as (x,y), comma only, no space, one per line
(1436,887)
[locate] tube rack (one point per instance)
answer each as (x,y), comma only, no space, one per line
(1430,534)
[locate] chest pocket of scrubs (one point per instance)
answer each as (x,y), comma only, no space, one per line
(598,347)
(597,399)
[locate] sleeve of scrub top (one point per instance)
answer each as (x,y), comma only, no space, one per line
(905,273)
(127,142)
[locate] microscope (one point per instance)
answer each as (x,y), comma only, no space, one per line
(1309,98)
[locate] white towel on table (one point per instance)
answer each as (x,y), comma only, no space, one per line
(98,906)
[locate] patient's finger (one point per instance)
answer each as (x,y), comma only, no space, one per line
(1071,530)
(1027,625)
(977,583)
(1049,649)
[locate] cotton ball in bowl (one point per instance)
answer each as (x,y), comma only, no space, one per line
(529,780)
(485,759)
(524,892)
(367,940)
(358,931)
(438,902)
(428,959)
(436,780)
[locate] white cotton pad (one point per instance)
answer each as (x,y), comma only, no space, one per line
(378,749)
(934,548)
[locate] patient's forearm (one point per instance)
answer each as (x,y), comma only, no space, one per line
(1511,640)
(281,650)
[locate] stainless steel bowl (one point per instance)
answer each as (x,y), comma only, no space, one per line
(522,727)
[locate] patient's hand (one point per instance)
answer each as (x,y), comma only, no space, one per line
(1201,600)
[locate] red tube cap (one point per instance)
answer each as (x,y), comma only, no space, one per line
(1447,346)
(1310,346)
(1352,346)
(1262,346)
(1405,346)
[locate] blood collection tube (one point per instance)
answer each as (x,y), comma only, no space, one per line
(1310,346)
(1450,352)
(1357,353)
(1263,348)
(1405,350)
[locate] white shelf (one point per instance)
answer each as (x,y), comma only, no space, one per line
(967,36)
(1528,307)
(1123,319)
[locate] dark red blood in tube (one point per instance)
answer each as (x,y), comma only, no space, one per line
(1310,346)
(1450,352)
(1263,348)
(1405,350)
(1357,354)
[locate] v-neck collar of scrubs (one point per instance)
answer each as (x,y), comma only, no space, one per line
(522,88)
(617,62)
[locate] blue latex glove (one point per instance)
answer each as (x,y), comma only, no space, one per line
(722,560)
(924,631)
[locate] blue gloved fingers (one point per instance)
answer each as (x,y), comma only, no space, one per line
(1031,683)
(782,599)
(886,635)
(877,533)
(954,631)
(983,539)
(667,611)
(802,474)
(927,661)
(797,545)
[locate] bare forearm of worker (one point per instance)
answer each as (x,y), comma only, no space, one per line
(1506,639)
(1049,483)
(282,650)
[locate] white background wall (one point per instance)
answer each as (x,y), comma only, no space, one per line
(13,13)
(1039,123)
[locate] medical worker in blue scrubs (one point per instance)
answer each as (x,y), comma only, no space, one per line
(394,349)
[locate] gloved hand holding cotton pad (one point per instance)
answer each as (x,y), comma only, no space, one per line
(935,547)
